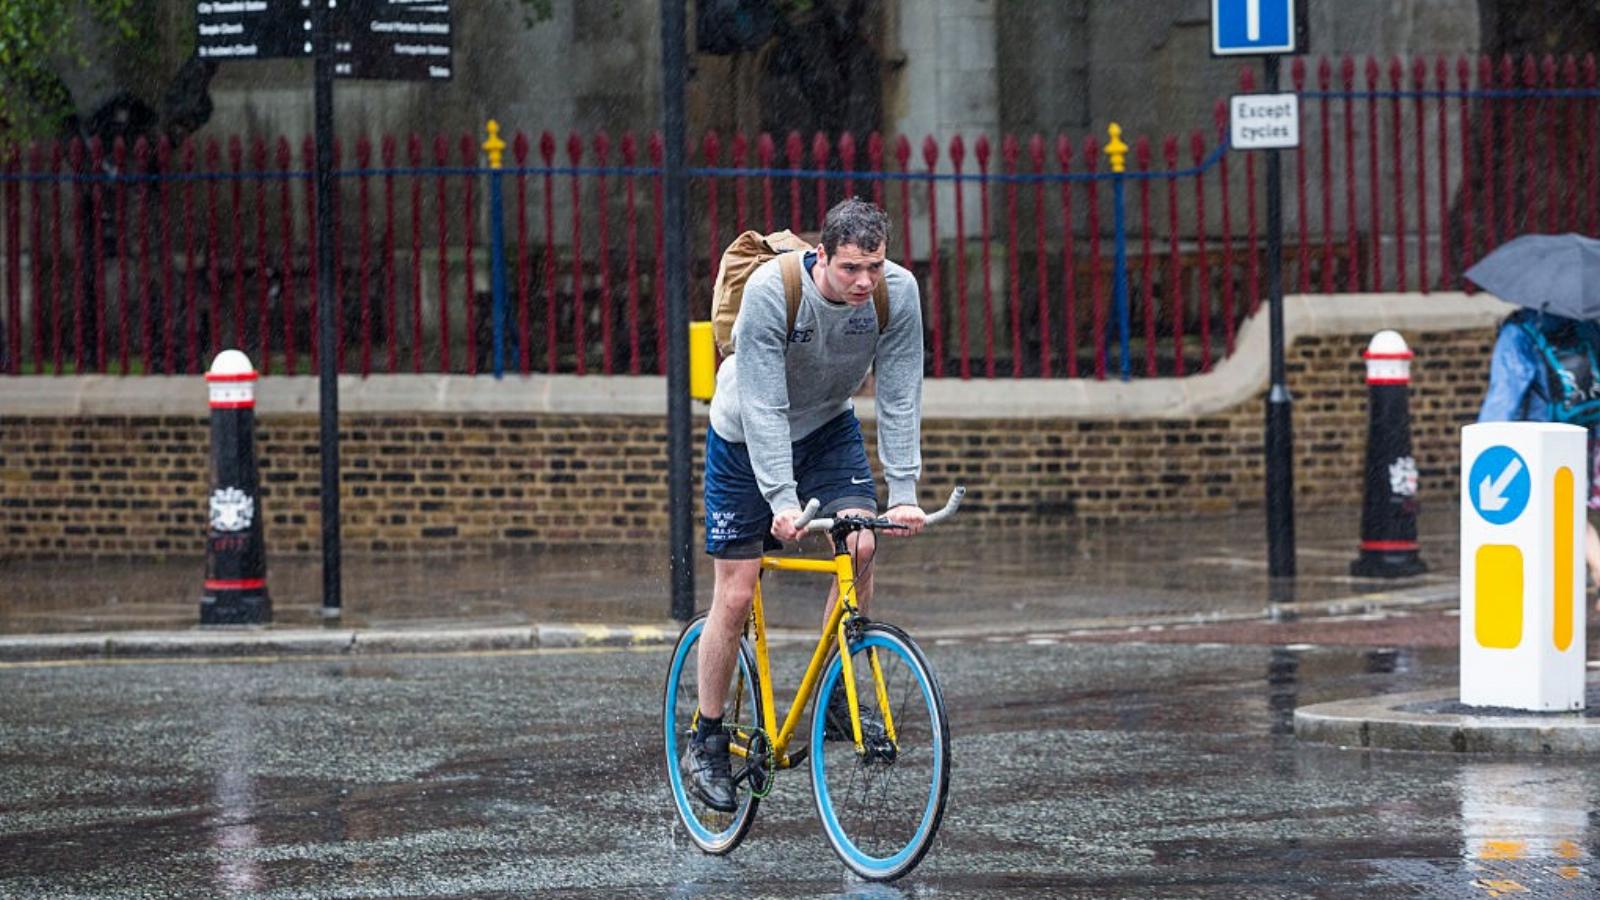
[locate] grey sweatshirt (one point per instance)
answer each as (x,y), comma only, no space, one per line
(779,387)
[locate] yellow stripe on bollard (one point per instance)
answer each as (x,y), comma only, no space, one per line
(1498,596)
(1565,540)
(702,361)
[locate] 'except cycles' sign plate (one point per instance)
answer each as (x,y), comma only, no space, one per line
(1266,121)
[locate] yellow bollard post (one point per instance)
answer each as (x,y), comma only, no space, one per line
(702,361)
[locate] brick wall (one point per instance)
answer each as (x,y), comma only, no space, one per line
(1049,470)
(493,482)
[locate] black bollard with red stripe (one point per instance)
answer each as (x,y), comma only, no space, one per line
(1389,511)
(236,559)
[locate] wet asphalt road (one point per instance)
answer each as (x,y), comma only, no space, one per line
(1087,769)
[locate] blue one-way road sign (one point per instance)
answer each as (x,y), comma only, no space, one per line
(1499,485)
(1253,27)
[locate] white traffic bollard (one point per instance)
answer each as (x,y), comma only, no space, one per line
(1522,529)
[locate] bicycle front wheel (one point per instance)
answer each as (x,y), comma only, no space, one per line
(713,831)
(881,807)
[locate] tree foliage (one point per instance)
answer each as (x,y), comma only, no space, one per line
(44,41)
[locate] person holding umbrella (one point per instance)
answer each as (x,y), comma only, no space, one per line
(1546,361)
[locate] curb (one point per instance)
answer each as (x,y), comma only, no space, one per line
(1404,722)
(264,642)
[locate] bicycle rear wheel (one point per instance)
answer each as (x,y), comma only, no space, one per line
(880,809)
(711,830)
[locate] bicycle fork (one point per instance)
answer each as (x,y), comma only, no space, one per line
(849,621)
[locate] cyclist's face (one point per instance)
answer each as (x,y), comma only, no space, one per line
(850,273)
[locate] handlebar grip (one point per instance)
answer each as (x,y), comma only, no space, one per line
(809,513)
(950,506)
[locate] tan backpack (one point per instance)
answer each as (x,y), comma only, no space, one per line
(747,252)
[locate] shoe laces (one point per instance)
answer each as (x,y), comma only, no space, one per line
(713,755)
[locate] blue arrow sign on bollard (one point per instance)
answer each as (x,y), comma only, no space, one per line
(1499,485)
(1253,27)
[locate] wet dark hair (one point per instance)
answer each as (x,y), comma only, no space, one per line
(855,221)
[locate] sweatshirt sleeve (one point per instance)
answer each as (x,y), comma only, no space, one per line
(760,340)
(899,389)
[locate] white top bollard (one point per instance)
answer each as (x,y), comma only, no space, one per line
(1522,579)
(232,381)
(1388,359)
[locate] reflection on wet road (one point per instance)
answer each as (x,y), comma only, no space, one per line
(1081,769)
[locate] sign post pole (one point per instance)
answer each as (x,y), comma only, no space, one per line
(327,309)
(674,63)
(1270,122)
(1280,405)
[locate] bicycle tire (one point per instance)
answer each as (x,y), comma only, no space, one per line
(712,831)
(881,811)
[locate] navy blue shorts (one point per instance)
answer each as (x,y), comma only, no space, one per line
(830,464)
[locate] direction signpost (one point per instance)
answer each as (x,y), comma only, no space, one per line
(252,29)
(391,40)
(376,39)
(1269,122)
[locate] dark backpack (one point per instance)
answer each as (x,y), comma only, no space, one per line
(1572,373)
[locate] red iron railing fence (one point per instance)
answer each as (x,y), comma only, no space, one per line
(150,258)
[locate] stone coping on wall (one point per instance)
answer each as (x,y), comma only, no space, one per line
(1239,378)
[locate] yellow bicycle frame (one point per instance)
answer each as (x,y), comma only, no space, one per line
(842,569)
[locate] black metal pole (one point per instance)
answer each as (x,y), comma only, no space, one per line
(327,308)
(674,61)
(1280,436)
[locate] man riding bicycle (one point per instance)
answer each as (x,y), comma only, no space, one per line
(783,426)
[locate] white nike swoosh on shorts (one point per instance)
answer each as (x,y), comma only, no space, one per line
(860,480)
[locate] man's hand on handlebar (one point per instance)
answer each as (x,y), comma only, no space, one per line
(908,515)
(783,525)
(907,519)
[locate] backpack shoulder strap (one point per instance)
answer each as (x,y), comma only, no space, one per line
(1557,375)
(880,301)
(789,267)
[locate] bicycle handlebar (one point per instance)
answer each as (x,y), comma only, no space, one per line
(809,522)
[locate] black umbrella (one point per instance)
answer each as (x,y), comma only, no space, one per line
(1553,273)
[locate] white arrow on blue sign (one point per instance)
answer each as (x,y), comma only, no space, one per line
(1499,485)
(1252,27)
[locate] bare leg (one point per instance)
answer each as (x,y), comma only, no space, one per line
(730,606)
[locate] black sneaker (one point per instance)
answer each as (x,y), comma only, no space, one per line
(836,722)
(706,771)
